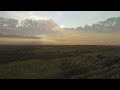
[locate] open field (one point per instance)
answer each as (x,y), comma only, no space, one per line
(59,62)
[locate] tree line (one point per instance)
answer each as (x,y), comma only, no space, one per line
(109,25)
(27,23)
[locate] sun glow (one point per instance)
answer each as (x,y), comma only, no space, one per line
(70,38)
(62,26)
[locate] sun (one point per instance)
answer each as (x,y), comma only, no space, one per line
(62,26)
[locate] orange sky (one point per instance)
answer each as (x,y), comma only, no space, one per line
(70,38)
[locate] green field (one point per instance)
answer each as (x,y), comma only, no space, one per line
(59,62)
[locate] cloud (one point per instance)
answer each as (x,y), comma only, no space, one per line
(21,15)
(33,16)
(94,14)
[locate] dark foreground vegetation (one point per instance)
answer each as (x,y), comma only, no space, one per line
(59,62)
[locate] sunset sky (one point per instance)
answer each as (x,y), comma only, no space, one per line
(65,19)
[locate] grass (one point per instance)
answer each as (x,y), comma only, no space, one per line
(60,62)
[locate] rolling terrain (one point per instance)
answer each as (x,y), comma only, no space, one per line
(59,62)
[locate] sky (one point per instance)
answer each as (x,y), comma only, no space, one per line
(63,18)
(70,19)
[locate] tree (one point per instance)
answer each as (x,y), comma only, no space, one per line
(47,24)
(87,28)
(79,28)
(29,23)
(11,22)
(2,21)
